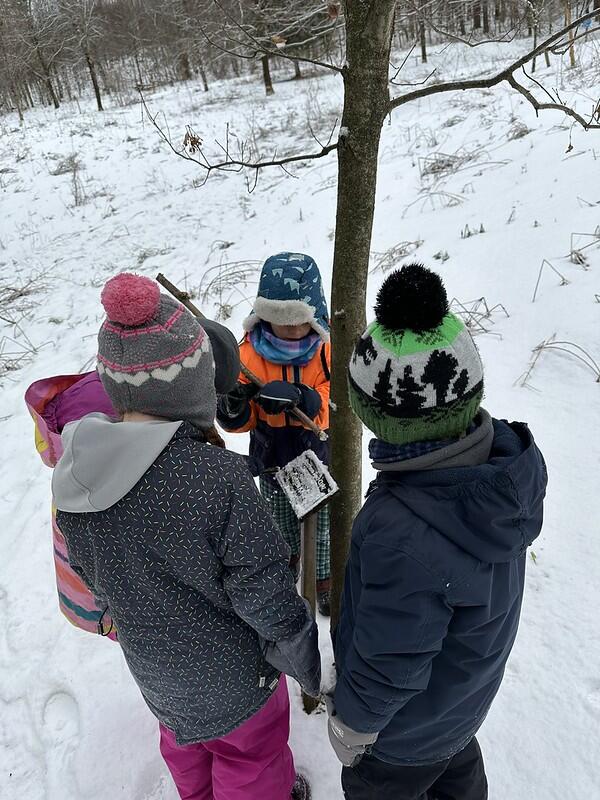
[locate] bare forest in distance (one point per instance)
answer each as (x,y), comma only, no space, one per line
(56,51)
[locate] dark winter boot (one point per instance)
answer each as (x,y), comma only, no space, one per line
(323,598)
(301,789)
(324,603)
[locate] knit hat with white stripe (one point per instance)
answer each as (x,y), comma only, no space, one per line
(153,355)
(415,373)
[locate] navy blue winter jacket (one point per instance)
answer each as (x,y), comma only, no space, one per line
(432,598)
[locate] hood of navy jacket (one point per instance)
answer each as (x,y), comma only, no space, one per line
(104,459)
(493,511)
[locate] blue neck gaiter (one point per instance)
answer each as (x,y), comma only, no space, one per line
(296,352)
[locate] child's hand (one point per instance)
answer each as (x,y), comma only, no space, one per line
(234,405)
(278,396)
(348,745)
(310,402)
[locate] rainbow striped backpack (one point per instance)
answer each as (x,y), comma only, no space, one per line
(75,600)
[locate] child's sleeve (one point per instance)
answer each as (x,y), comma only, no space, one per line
(236,411)
(256,576)
(399,628)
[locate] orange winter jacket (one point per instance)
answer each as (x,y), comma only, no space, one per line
(275,439)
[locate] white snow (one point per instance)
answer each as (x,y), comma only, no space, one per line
(72,722)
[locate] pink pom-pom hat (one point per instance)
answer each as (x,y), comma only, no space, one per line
(130,299)
(153,356)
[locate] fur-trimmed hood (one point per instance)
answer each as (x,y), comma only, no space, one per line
(290,292)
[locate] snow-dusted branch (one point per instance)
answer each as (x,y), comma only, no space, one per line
(260,50)
(589,123)
(258,47)
(192,145)
(508,75)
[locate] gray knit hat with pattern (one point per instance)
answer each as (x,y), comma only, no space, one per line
(153,355)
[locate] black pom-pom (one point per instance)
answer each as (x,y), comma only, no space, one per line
(412,298)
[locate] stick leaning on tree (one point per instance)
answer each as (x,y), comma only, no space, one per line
(184,298)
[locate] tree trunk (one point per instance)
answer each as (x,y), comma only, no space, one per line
(14,95)
(423,40)
(138,68)
(486,18)
(368,41)
(568,21)
(105,77)
(185,71)
(297,71)
(28,96)
(476,16)
(92,68)
(597,8)
(47,78)
(59,86)
(266,71)
(535,41)
(203,75)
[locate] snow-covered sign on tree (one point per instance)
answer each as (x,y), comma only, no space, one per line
(307,483)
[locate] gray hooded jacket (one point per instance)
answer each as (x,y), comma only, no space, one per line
(172,534)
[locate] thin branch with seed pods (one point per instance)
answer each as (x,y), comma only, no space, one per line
(230,164)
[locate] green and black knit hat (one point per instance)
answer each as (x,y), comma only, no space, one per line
(415,373)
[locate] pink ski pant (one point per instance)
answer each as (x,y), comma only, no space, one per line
(253,762)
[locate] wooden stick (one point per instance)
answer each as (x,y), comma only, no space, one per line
(184,298)
(308,528)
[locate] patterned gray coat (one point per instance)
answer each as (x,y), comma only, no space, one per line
(190,564)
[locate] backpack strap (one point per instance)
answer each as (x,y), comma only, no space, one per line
(325,365)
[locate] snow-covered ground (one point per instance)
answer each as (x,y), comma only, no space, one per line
(72,723)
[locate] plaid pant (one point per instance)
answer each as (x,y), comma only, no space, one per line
(288,524)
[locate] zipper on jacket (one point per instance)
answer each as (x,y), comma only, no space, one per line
(284,376)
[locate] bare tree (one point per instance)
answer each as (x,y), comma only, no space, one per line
(41,44)
(82,24)
(255,32)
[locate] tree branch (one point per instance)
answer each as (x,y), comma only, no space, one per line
(401,67)
(587,124)
(261,48)
(507,75)
(231,164)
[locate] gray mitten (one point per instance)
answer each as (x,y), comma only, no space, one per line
(298,656)
(349,746)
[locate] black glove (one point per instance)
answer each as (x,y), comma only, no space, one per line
(310,402)
(278,396)
(233,408)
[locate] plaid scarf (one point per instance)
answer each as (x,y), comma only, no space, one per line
(386,453)
(297,352)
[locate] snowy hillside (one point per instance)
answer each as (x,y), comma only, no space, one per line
(475,186)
